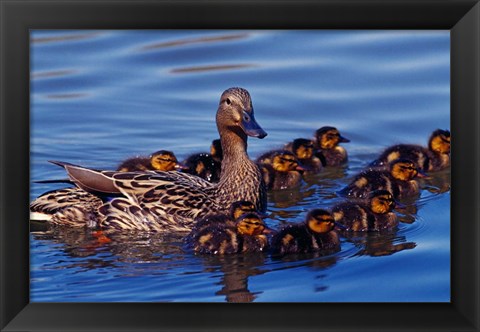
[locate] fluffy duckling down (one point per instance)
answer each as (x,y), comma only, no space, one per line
(373,214)
(280,170)
(162,160)
(303,149)
(328,150)
(432,158)
(315,234)
(399,179)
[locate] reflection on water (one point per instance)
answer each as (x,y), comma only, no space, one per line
(99,97)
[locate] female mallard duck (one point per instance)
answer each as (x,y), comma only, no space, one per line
(328,150)
(158,161)
(374,214)
(170,201)
(245,234)
(399,179)
(433,158)
(302,148)
(284,172)
(315,234)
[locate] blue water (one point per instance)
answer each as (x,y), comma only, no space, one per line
(98,97)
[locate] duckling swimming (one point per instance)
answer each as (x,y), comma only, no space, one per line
(328,150)
(433,158)
(374,214)
(246,234)
(315,234)
(399,179)
(284,172)
(302,148)
(162,160)
(204,166)
(171,201)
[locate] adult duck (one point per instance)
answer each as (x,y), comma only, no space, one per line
(170,201)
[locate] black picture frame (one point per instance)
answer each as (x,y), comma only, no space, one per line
(461,17)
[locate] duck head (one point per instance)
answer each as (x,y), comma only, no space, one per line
(302,148)
(329,137)
(235,113)
(286,161)
(404,170)
(381,201)
(164,161)
(319,221)
(251,224)
(440,141)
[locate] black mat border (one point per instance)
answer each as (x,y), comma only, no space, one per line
(17,17)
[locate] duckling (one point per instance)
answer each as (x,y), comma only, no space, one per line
(399,179)
(162,160)
(171,201)
(203,165)
(284,172)
(245,235)
(433,158)
(216,150)
(328,150)
(302,148)
(374,214)
(315,234)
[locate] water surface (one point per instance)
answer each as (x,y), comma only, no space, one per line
(98,97)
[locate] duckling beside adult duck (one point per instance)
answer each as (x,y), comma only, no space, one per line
(374,214)
(303,149)
(282,172)
(162,160)
(245,234)
(204,166)
(327,148)
(399,179)
(171,201)
(315,234)
(432,158)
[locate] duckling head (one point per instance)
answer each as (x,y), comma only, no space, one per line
(404,170)
(164,161)
(285,161)
(235,113)
(440,141)
(320,221)
(241,207)
(381,201)
(250,224)
(329,137)
(302,148)
(216,149)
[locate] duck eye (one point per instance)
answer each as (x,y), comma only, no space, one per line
(246,117)
(228,101)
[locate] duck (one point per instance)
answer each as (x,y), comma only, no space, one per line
(373,214)
(245,234)
(161,201)
(303,149)
(203,165)
(399,179)
(282,171)
(434,157)
(315,234)
(327,149)
(162,160)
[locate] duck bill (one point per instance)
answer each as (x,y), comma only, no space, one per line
(252,128)
(344,140)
